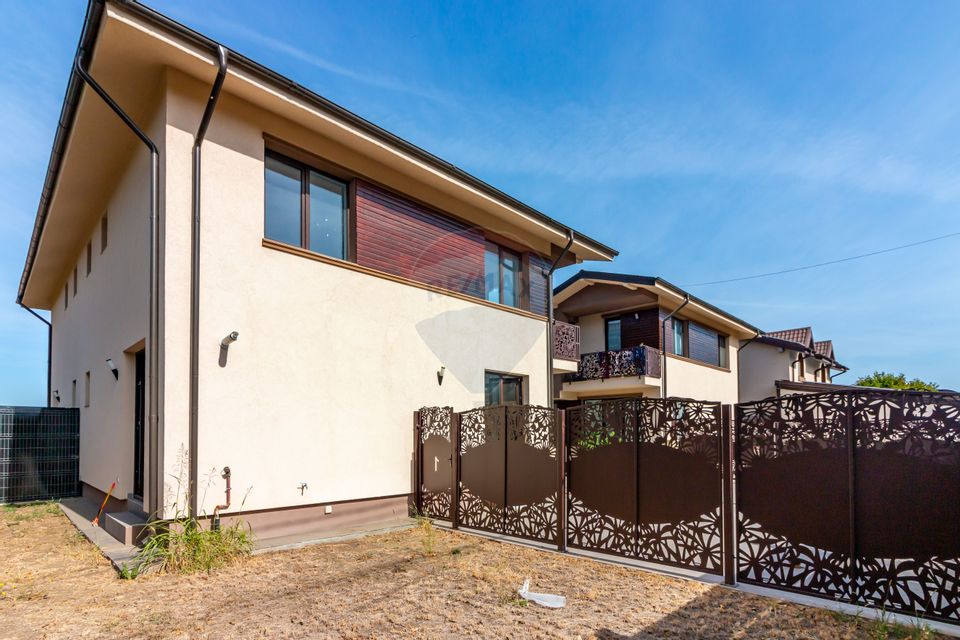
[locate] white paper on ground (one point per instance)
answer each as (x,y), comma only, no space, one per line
(543,599)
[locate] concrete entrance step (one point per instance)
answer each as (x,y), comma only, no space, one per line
(126,526)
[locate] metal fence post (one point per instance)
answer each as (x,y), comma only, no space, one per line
(455,469)
(417,466)
(559,424)
(728,511)
(506,465)
(852,497)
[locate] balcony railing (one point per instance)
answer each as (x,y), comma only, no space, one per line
(566,341)
(637,361)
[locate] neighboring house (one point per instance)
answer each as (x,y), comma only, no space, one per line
(363,276)
(642,336)
(787,361)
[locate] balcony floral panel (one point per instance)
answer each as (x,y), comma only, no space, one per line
(636,361)
(566,341)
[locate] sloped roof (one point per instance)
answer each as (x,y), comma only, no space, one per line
(824,348)
(802,336)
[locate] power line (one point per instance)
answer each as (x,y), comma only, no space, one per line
(824,264)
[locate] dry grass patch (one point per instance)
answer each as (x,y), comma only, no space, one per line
(419,583)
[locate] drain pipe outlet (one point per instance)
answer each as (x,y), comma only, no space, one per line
(215,525)
(195,276)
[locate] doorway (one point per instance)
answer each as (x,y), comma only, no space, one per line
(138,411)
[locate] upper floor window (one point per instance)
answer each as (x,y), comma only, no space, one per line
(304,207)
(723,352)
(614,341)
(501,275)
(103,233)
(89,257)
(679,337)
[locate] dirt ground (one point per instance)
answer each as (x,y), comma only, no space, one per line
(411,584)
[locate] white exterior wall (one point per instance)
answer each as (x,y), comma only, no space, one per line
(688,379)
(761,365)
(330,364)
(106,319)
(593,333)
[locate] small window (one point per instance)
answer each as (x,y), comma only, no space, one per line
(614,343)
(801,369)
(66,296)
(304,208)
(679,337)
(502,389)
(73,394)
(723,352)
(501,274)
(86,389)
(103,233)
(89,257)
(74,282)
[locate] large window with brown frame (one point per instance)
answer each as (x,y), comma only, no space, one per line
(500,388)
(304,207)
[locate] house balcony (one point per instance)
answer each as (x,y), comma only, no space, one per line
(566,347)
(611,373)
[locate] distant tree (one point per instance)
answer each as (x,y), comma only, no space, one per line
(886,380)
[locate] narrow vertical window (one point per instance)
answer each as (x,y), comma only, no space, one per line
(491,272)
(722,352)
(614,342)
(89,257)
(86,389)
(501,274)
(679,338)
(328,216)
(283,193)
(66,296)
(103,233)
(510,269)
(74,282)
(73,394)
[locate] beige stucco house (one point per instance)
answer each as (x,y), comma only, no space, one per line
(642,336)
(274,293)
(787,361)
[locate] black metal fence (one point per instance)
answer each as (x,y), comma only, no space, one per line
(853,496)
(39,453)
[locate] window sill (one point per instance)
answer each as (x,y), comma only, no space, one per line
(352,266)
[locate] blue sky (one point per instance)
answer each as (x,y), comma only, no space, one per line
(703,140)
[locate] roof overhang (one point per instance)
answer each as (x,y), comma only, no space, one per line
(129,44)
(668,295)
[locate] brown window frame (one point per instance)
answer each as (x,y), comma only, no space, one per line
(349,217)
(606,332)
(502,377)
(523,297)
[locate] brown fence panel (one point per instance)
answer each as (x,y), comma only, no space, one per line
(434,461)
(644,480)
(853,496)
(509,471)
(483,468)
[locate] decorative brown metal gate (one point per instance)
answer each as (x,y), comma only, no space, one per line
(434,468)
(509,471)
(853,496)
(644,480)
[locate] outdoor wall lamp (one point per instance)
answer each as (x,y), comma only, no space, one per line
(56,396)
(225,346)
(440,375)
(113,369)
